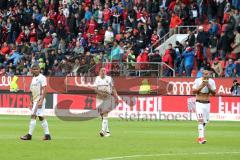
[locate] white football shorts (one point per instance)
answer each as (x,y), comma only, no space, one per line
(40,111)
(202,111)
(105,105)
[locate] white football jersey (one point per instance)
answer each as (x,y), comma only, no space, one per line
(104,84)
(205,89)
(36,86)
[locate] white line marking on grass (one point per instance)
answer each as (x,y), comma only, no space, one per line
(166,154)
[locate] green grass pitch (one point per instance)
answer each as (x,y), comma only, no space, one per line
(130,140)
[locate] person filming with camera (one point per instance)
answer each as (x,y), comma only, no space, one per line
(235,89)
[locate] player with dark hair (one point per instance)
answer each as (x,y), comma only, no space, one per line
(39,91)
(104,88)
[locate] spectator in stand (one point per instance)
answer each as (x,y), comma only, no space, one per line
(230,69)
(55,42)
(155,37)
(115,52)
(168,59)
(190,41)
(188,56)
(116,20)
(88,14)
(217,68)
(109,36)
(213,47)
(224,45)
(106,16)
(207,66)
(78,49)
(131,58)
(5,49)
(175,22)
(235,89)
(236,4)
(236,44)
(47,40)
(199,55)
(238,68)
(75,67)
(14,57)
(203,39)
(178,57)
(200,72)
(236,16)
(172,53)
(142,60)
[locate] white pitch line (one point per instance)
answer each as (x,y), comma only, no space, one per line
(166,154)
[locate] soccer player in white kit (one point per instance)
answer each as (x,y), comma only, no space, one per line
(105,102)
(203,87)
(38,89)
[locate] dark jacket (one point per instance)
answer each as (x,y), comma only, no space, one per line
(203,38)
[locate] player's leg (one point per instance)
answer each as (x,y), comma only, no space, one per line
(199,114)
(99,104)
(106,107)
(110,105)
(44,124)
(206,111)
(32,124)
(105,129)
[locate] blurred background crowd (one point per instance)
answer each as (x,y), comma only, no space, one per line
(69,37)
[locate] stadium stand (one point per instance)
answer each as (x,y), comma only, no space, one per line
(69,37)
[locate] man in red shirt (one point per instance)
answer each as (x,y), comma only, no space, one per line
(155,37)
(106,16)
(96,38)
(92,25)
(168,59)
(47,40)
(174,23)
(33,35)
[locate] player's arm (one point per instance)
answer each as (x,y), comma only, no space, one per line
(44,91)
(115,94)
(196,89)
(114,91)
(99,92)
(212,89)
(43,96)
(31,102)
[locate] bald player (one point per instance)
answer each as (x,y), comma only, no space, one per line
(203,87)
(104,88)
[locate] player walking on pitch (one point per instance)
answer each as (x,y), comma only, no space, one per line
(104,88)
(38,89)
(203,87)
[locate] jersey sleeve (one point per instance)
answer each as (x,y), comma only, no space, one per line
(95,82)
(213,85)
(43,81)
(195,84)
(112,83)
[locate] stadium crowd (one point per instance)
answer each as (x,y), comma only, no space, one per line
(68,37)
